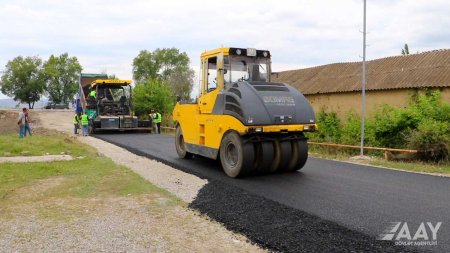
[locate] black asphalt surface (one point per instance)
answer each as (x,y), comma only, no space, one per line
(327,206)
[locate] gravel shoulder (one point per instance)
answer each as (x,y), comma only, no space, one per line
(142,223)
(181,184)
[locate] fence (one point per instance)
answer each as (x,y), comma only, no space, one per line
(386,150)
(168,129)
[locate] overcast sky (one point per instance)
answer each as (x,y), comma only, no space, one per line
(105,36)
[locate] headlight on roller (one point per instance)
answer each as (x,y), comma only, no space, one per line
(309,128)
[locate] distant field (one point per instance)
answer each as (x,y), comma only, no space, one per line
(9,103)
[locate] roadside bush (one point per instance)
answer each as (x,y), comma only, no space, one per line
(432,134)
(392,127)
(429,106)
(424,125)
(329,128)
(431,139)
(351,130)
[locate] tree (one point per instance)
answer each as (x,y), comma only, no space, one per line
(171,60)
(181,82)
(62,74)
(167,64)
(152,94)
(405,50)
(24,80)
(145,66)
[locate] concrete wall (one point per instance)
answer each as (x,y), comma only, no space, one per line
(341,103)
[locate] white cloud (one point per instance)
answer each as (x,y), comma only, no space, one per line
(107,35)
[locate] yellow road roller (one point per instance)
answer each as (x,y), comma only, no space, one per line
(253,125)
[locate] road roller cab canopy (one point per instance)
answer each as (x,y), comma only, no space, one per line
(228,65)
(111,90)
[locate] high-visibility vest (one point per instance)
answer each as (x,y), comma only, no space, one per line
(76,119)
(157,118)
(84,120)
(93,93)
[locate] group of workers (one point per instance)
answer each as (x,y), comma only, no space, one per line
(81,120)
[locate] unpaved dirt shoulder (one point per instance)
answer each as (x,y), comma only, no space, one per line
(181,184)
(143,223)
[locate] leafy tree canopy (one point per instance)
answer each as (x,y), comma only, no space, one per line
(167,64)
(62,74)
(24,80)
(152,94)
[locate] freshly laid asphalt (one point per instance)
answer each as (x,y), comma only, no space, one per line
(327,206)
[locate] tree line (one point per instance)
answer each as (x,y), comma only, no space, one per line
(26,79)
(159,77)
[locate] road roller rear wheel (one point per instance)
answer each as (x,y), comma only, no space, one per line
(237,157)
(276,157)
(264,157)
(282,157)
(299,155)
(180,145)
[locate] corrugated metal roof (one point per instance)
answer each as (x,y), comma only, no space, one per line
(428,69)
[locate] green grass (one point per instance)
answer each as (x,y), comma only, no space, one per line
(345,154)
(11,145)
(414,166)
(91,176)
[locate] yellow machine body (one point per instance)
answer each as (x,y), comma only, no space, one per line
(245,106)
(207,130)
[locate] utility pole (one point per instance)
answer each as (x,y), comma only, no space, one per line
(363,88)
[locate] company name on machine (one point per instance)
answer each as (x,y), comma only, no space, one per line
(279,100)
